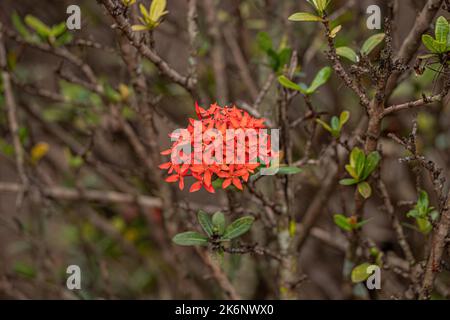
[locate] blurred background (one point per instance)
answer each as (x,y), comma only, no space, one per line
(72,140)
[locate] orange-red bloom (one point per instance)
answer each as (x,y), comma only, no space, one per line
(206,170)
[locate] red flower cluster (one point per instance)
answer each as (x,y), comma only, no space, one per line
(204,171)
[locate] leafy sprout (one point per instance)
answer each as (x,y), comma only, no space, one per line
(152,18)
(278,58)
(319,80)
(348,223)
(216,230)
(56,35)
(441,43)
(360,168)
(336,124)
(424,214)
(368,46)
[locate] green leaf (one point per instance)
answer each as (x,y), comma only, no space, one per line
(343,118)
(289,170)
(352,171)
(342,222)
(371,164)
(364,189)
(217,183)
(238,227)
(355,155)
(37,25)
(218,221)
(321,78)
(190,238)
(359,273)
(424,225)
(264,41)
(205,221)
(335,123)
(304,16)
(157,9)
(442,30)
(347,53)
(429,43)
(58,29)
(319,5)
(20,27)
(283,57)
(372,43)
(324,125)
(285,82)
(348,182)
(361,223)
(413,213)
(423,202)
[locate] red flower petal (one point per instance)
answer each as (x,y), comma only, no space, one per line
(237,183)
(172,178)
(226,183)
(165,165)
(196,186)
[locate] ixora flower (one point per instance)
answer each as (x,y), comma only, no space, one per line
(228,146)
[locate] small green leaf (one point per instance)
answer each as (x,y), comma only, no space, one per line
(347,53)
(190,238)
(289,170)
(285,82)
(355,155)
(424,225)
(372,43)
(205,221)
(429,43)
(361,223)
(413,213)
(442,30)
(324,125)
(58,29)
(218,221)
(342,222)
(37,25)
(359,273)
(264,41)
(343,118)
(423,202)
(304,16)
(238,227)
(20,27)
(335,31)
(364,189)
(157,10)
(351,171)
(335,123)
(321,78)
(217,183)
(348,182)
(371,164)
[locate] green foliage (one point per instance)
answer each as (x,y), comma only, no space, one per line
(319,80)
(347,53)
(216,230)
(441,43)
(359,273)
(56,35)
(423,213)
(348,223)
(368,46)
(152,18)
(336,124)
(371,43)
(238,227)
(278,58)
(304,16)
(360,168)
